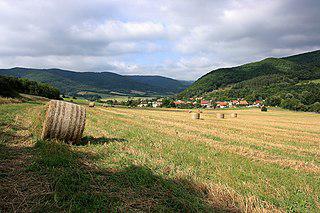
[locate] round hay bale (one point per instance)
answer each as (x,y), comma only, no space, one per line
(195,116)
(220,115)
(92,104)
(64,121)
(234,115)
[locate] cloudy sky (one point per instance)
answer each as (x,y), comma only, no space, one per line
(183,39)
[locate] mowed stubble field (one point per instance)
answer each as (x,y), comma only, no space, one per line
(161,160)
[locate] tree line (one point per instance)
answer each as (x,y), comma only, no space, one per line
(11,87)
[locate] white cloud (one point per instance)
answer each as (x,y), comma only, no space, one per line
(113,30)
(185,39)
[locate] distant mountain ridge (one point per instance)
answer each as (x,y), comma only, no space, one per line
(296,68)
(160,81)
(70,82)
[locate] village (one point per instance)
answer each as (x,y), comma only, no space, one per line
(199,103)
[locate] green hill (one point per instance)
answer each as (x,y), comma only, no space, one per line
(296,68)
(290,82)
(161,82)
(70,82)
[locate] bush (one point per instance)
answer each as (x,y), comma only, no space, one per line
(6,90)
(109,102)
(273,101)
(315,107)
(291,103)
(168,103)
(264,109)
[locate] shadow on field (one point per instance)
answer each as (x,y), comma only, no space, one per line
(20,189)
(101,140)
(80,185)
(54,177)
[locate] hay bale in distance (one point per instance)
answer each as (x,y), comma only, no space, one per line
(195,116)
(234,115)
(64,121)
(220,115)
(92,104)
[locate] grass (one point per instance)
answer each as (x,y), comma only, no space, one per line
(78,100)
(161,160)
(316,81)
(125,98)
(9,100)
(117,98)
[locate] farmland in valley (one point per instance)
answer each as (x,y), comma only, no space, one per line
(162,160)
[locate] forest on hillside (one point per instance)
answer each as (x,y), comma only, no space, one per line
(74,83)
(290,82)
(11,87)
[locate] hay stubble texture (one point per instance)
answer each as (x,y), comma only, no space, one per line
(64,121)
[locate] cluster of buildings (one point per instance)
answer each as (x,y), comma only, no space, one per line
(231,104)
(199,102)
(155,104)
(220,104)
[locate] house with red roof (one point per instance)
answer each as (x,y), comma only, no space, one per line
(257,103)
(222,104)
(234,102)
(179,102)
(243,103)
(205,103)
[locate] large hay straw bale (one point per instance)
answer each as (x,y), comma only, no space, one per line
(92,104)
(195,116)
(64,121)
(234,115)
(220,115)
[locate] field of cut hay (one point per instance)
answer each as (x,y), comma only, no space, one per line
(163,160)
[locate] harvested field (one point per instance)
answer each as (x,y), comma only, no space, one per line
(161,160)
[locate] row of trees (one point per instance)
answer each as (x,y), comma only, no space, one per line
(10,87)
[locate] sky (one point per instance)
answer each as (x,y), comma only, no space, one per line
(182,39)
